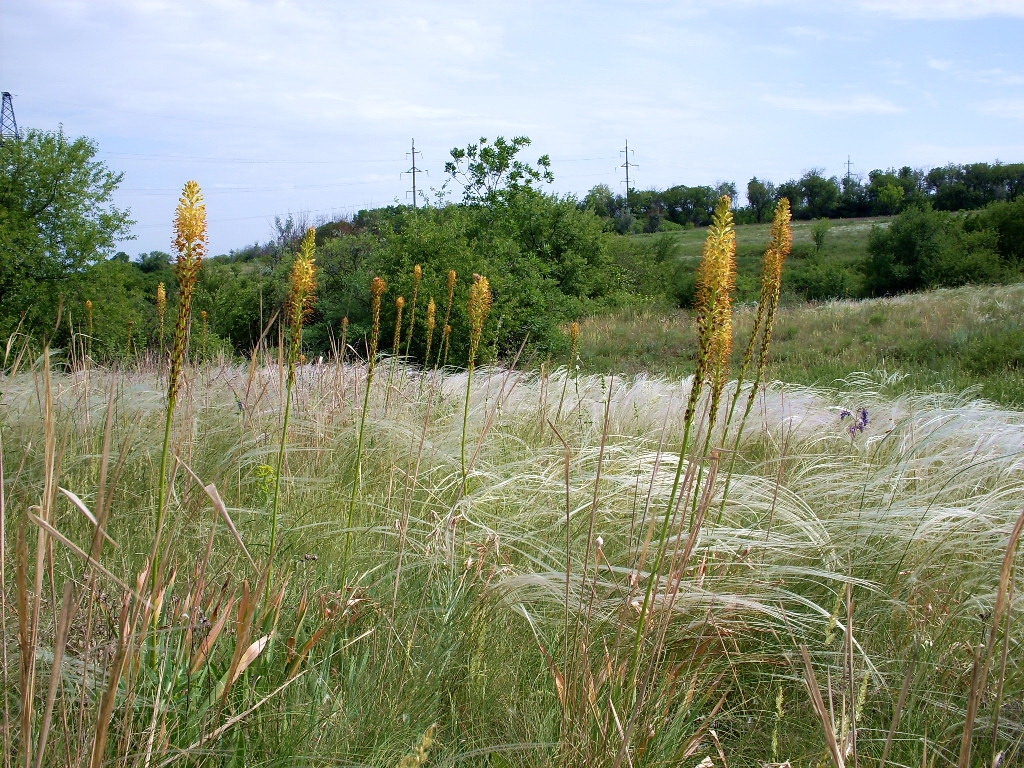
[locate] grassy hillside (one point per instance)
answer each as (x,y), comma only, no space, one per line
(946,340)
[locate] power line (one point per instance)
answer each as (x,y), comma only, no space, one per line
(627,165)
(414,170)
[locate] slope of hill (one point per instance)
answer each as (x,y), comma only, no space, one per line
(944,340)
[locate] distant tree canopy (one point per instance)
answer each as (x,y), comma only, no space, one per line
(813,196)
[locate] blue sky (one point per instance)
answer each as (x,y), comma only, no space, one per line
(280,107)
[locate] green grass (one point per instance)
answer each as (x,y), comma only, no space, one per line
(494,615)
(846,239)
(947,341)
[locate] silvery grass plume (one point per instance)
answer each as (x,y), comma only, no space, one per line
(913,515)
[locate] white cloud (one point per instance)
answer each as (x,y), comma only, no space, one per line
(1008,109)
(990,76)
(842,105)
(946,9)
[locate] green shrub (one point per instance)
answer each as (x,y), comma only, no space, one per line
(925,248)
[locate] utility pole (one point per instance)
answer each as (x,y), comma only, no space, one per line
(414,170)
(848,165)
(8,125)
(627,165)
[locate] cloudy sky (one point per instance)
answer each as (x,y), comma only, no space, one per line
(292,106)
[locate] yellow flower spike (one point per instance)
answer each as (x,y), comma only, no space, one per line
(377,288)
(161,302)
(716,281)
(480,301)
(771,279)
(302,282)
(431,315)
(190,248)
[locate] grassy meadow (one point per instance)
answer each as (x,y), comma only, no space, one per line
(361,561)
(500,619)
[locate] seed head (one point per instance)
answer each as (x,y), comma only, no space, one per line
(161,301)
(447,330)
(344,322)
(88,306)
(400,302)
(203,315)
(377,287)
(451,280)
(417,273)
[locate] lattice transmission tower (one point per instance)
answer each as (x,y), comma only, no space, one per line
(8,124)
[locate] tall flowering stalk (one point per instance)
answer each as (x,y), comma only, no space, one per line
(190,248)
(480,301)
(417,276)
(344,337)
(716,278)
(396,343)
(431,325)
(771,280)
(716,283)
(779,247)
(378,286)
(574,351)
(445,326)
(775,255)
(301,296)
(161,313)
(446,335)
(88,312)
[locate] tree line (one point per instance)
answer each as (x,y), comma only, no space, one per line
(814,195)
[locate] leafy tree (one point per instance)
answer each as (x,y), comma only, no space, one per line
(485,169)
(600,200)
(56,220)
(761,198)
(820,195)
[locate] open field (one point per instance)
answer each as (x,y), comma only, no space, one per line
(945,340)
(846,237)
(550,606)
